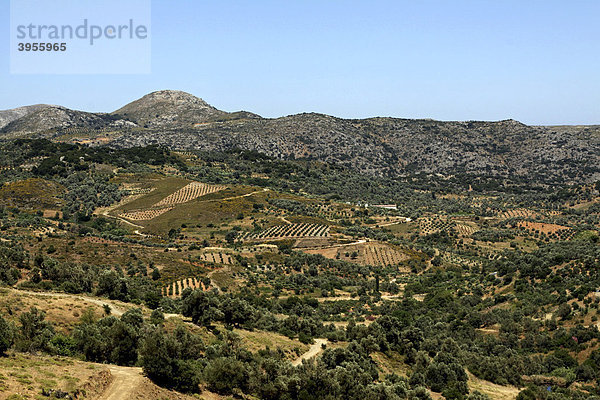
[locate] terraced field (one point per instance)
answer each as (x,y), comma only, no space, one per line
(452,258)
(332,213)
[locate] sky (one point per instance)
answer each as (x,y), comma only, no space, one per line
(536,61)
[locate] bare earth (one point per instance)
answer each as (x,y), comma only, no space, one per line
(126,380)
(313,351)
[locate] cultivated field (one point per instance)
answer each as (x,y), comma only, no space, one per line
(428,226)
(188,193)
(220,258)
(290,231)
(542,227)
(369,253)
(518,213)
(144,215)
(176,288)
(465,228)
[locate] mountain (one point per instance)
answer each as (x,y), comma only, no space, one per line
(56,119)
(377,146)
(393,146)
(170,108)
(7,116)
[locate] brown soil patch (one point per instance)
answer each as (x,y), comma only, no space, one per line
(542,227)
(369,253)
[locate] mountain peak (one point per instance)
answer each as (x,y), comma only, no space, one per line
(175,96)
(169,107)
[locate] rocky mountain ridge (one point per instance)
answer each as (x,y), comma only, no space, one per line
(377,146)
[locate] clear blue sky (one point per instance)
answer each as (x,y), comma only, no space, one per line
(537,61)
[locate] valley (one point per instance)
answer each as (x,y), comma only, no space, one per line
(143,271)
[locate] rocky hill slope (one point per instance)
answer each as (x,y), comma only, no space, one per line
(59,120)
(377,146)
(169,108)
(8,116)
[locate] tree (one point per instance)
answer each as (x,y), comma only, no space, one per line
(123,343)
(35,332)
(230,237)
(165,360)
(157,317)
(202,307)
(477,395)
(564,311)
(6,336)
(157,357)
(225,374)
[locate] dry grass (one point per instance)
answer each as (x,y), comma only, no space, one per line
(31,193)
(259,340)
(496,392)
(62,313)
(26,374)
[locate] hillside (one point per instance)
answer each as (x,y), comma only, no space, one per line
(57,119)
(375,146)
(240,275)
(169,108)
(7,116)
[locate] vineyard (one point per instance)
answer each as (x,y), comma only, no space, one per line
(189,192)
(144,215)
(465,229)
(518,213)
(290,231)
(383,256)
(370,253)
(219,258)
(176,288)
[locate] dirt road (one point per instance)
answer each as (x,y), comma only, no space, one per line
(314,350)
(123,387)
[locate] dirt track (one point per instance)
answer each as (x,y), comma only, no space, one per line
(124,385)
(313,351)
